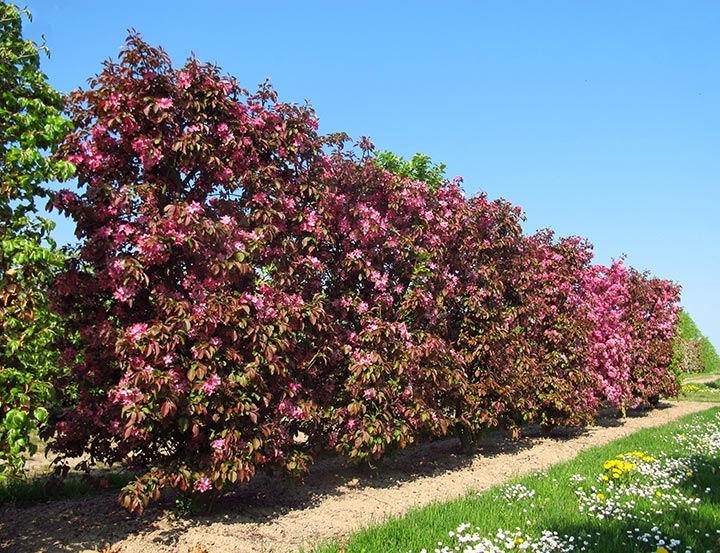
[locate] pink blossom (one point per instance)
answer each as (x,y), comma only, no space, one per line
(137,331)
(164,103)
(123,293)
(113,101)
(211,384)
(218,445)
(370,393)
(116,268)
(291,410)
(226,86)
(194,208)
(184,80)
(309,223)
(203,485)
(139,145)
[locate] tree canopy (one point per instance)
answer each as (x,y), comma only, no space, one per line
(31,126)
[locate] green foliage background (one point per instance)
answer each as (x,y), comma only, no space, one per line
(31,126)
(692,351)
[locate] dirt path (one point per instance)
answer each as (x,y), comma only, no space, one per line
(700,378)
(278,516)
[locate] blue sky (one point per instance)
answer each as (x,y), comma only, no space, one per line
(601,119)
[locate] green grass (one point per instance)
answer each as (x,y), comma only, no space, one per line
(40,488)
(699,388)
(641,511)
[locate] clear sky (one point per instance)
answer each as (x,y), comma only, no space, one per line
(600,118)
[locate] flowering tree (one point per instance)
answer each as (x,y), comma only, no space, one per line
(483,263)
(633,324)
(525,328)
(195,291)
(31,126)
(610,351)
(385,288)
(653,320)
(554,386)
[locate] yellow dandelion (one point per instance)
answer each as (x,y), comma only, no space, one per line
(661,549)
(601,496)
(658,493)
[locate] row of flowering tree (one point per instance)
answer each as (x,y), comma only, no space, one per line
(246,292)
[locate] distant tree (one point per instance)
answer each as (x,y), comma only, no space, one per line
(692,351)
(31,126)
(420,167)
(710,358)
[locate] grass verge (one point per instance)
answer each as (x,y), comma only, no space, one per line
(657,490)
(707,390)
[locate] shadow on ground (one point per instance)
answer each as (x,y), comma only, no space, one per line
(91,522)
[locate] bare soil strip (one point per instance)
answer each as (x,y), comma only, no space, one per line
(278,515)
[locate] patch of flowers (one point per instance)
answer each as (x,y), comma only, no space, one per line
(650,494)
(468,540)
(655,539)
(512,493)
(694,388)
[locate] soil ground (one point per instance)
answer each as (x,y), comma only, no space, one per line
(278,515)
